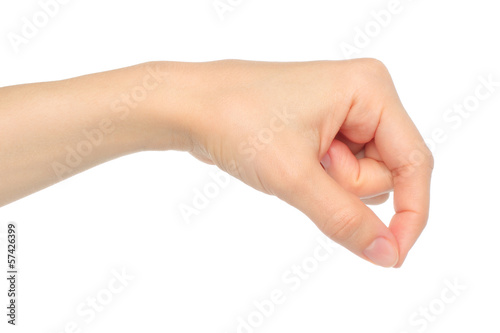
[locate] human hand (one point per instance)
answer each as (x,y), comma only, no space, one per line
(271,124)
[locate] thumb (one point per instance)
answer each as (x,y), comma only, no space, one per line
(343,217)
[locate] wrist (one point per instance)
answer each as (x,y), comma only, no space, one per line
(170,107)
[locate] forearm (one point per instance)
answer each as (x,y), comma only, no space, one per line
(51,131)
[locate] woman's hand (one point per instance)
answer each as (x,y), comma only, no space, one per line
(321,136)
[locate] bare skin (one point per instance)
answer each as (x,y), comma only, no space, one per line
(327,137)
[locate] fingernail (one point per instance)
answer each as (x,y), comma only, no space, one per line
(326,161)
(381,252)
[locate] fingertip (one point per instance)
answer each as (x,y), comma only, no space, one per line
(406,227)
(382,252)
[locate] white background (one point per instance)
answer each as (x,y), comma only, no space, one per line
(203,276)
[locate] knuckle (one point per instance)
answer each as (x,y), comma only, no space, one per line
(426,160)
(418,161)
(373,66)
(370,73)
(356,186)
(430,159)
(343,225)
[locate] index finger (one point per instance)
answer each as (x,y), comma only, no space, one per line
(405,153)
